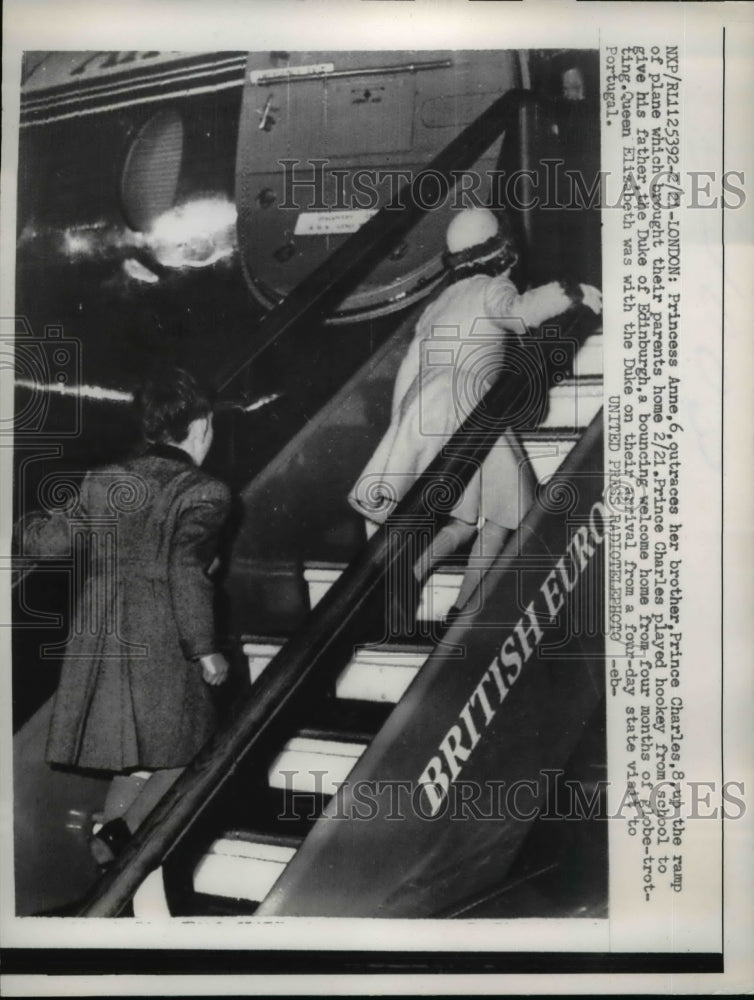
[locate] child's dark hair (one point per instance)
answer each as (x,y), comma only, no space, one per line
(168,401)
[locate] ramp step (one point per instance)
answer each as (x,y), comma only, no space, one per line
(438,596)
(327,726)
(314,765)
(589,359)
(259,654)
(547,454)
(573,403)
(379,675)
(240,868)
(374,675)
(319,578)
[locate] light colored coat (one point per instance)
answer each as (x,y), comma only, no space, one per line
(462,344)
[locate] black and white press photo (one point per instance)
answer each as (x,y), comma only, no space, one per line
(368,493)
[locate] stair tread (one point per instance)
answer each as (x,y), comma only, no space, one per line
(336,743)
(253,836)
(374,675)
(578,380)
(400,647)
(263,850)
(324,735)
(240,870)
(553,433)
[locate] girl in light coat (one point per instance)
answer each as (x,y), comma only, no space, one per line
(464,340)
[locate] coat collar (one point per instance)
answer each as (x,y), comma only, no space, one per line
(161,450)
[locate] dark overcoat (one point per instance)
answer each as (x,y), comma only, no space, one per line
(131,693)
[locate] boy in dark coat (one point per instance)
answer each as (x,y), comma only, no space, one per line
(133,694)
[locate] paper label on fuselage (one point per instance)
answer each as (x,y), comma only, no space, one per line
(329,223)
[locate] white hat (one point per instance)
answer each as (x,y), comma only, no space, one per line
(471,227)
(477,239)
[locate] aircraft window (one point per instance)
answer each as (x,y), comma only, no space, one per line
(152,168)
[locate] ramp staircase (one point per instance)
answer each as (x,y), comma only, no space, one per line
(301,499)
(334,694)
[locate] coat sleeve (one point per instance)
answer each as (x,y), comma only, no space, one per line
(43,533)
(202,514)
(532,307)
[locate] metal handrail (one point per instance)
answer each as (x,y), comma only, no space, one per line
(333,620)
(328,624)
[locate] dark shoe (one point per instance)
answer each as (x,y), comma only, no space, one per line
(109,841)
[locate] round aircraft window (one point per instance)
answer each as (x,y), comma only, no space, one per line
(152,168)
